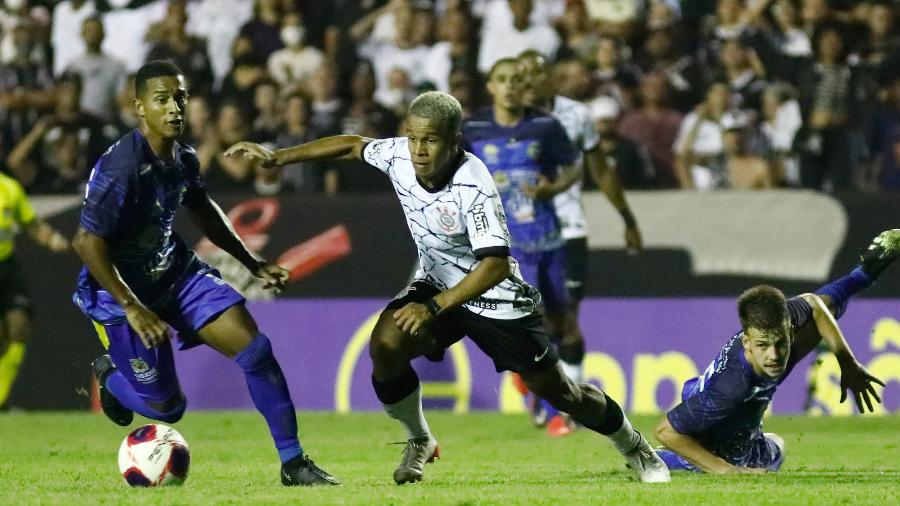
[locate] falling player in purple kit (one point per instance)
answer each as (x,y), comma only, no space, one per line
(717,428)
(531,159)
(140,279)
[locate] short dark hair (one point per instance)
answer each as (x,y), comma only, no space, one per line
(151,69)
(763,307)
(501,61)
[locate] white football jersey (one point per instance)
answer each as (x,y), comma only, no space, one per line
(576,120)
(454,226)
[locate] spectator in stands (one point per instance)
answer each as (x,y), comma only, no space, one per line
(300,177)
(579,39)
(883,42)
(630,161)
(423,24)
(57,154)
(400,54)
(185,51)
(654,126)
(263,31)
(295,61)
(466,88)
(614,75)
(327,106)
(616,19)
(125,118)
(364,115)
(26,90)
(511,40)
(885,142)
(781,120)
(698,147)
(744,79)
(219,22)
(662,52)
(790,38)
(67,31)
(227,173)
(457,49)
(745,170)
(201,130)
(268,120)
(101,75)
(248,70)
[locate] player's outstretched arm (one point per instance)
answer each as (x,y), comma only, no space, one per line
(691,449)
(489,272)
(208,216)
(854,376)
(608,181)
(94,252)
(336,147)
(42,233)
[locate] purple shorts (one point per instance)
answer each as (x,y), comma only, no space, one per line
(198,299)
(546,271)
(764,453)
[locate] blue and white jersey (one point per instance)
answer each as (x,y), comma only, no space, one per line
(724,407)
(576,120)
(517,156)
(130,201)
(455,226)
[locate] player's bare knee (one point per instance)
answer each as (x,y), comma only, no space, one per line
(387,341)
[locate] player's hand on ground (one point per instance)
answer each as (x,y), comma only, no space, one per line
(633,240)
(543,190)
(857,379)
(273,276)
(413,317)
(149,327)
(253,151)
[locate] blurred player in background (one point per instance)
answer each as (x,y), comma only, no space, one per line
(532,160)
(140,278)
(581,130)
(717,428)
(468,284)
(16,214)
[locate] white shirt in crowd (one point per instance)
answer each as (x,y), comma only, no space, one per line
(65,34)
(287,65)
(101,79)
(386,57)
(509,42)
(582,131)
(452,225)
(219,22)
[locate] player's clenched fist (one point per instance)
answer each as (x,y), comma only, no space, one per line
(273,275)
(151,329)
(253,151)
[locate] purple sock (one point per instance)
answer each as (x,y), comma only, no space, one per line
(841,289)
(118,385)
(270,394)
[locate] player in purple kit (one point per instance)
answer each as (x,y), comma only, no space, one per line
(140,279)
(717,428)
(531,159)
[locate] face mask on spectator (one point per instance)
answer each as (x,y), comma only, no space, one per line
(292,35)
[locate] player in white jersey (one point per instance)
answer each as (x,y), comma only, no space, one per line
(467,285)
(575,119)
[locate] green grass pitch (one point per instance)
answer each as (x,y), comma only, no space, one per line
(70,458)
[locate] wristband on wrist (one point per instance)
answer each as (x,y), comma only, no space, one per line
(433,307)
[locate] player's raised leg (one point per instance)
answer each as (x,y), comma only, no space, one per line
(234,333)
(595,410)
(135,379)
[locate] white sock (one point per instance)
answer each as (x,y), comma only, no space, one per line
(409,412)
(625,438)
(575,372)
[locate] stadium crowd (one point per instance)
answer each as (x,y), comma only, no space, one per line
(698,94)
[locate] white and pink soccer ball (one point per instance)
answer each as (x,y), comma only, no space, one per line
(154,455)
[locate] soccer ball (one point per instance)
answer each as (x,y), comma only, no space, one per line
(154,455)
